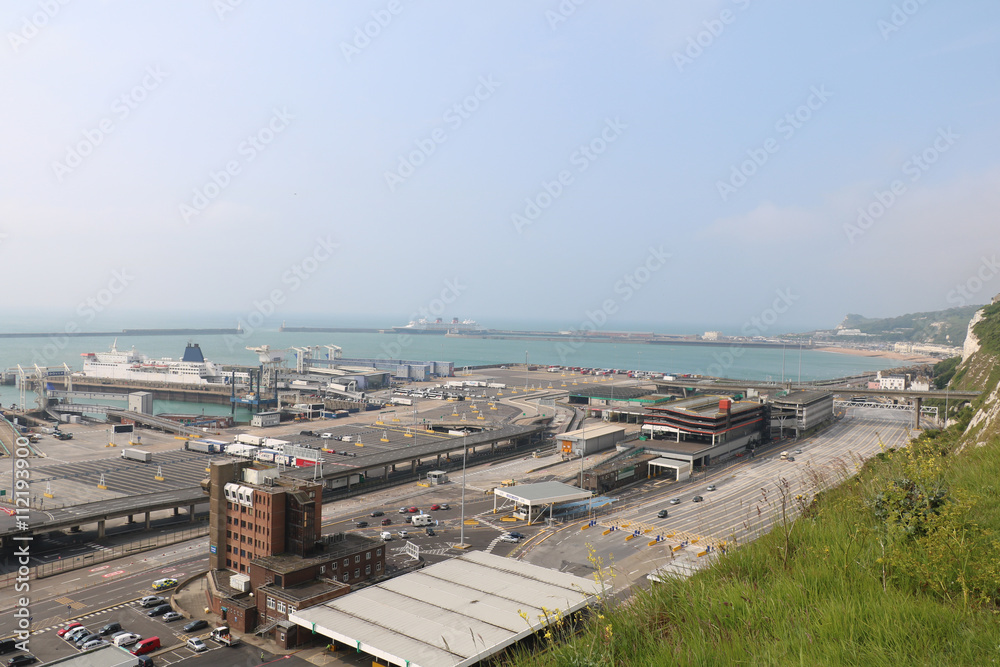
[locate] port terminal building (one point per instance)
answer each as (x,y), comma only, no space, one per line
(698,431)
(590,440)
(530,501)
(801,411)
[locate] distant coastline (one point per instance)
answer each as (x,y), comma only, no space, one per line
(124,332)
(881,354)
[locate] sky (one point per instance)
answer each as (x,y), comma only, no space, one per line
(656,165)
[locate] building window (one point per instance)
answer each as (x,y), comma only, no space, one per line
(291,609)
(270,603)
(357,558)
(378,552)
(228,563)
(281,607)
(333,565)
(368,569)
(378,566)
(357,573)
(347,561)
(346,577)
(322,569)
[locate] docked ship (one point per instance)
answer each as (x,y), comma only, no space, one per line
(192,369)
(438,326)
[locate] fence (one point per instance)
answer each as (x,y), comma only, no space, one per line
(87,560)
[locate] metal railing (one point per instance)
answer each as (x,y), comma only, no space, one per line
(120,551)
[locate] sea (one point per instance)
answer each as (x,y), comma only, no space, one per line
(757,364)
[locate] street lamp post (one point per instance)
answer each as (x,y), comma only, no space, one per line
(464,450)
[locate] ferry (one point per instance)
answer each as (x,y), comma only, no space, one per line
(130,365)
(424,326)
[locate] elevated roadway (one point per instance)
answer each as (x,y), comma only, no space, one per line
(99,512)
(765,387)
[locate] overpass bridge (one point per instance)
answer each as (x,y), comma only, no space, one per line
(770,387)
(335,468)
(43,521)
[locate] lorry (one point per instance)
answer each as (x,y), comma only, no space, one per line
(223,636)
(402,401)
(202,446)
(137,455)
(248,439)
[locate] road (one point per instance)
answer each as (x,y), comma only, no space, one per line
(749,499)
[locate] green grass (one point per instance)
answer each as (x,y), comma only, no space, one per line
(857,587)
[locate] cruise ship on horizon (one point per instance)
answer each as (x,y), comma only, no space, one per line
(118,364)
(438,326)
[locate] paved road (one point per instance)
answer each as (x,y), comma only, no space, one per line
(747,502)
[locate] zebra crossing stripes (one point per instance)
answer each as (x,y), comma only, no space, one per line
(79,619)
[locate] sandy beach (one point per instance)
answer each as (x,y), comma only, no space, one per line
(895,356)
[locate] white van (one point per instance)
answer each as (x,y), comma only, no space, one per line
(385,535)
(422,520)
(126,639)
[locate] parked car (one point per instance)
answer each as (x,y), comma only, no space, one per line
(402,533)
(386,535)
(697,499)
(663,514)
(23,659)
(387,522)
(711,487)
(675,501)
(413,510)
(159,610)
(7,645)
(86,638)
(152,601)
(378,513)
(326,436)
(76,633)
(194,626)
(435,506)
(110,628)
(62,631)
(144,661)
(126,639)
(445,506)
(196,645)
(408,519)
(403,510)
(171,616)
(94,643)
(430,532)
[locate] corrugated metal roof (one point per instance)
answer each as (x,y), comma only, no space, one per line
(591,432)
(450,614)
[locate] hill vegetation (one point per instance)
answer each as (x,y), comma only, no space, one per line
(943,327)
(899,565)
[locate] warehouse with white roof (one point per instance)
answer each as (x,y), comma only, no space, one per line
(450,614)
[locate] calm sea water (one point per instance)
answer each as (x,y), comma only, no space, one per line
(735,362)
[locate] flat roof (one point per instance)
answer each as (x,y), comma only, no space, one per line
(542,493)
(705,406)
(105,656)
(803,397)
(592,432)
(682,447)
(610,392)
(450,614)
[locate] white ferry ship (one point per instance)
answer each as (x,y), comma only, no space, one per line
(424,326)
(116,364)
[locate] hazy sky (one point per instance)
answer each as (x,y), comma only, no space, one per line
(675,164)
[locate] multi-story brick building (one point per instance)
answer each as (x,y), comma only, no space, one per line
(266,530)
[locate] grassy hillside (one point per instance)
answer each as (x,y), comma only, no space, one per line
(943,327)
(899,565)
